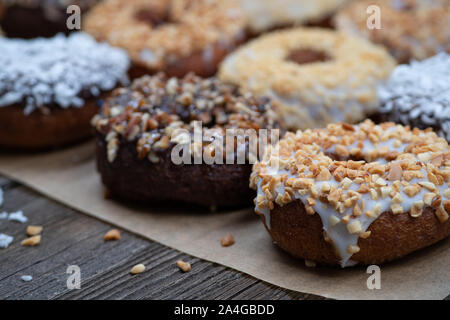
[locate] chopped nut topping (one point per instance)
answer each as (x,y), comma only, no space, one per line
(31,241)
(227,241)
(333,220)
(353,249)
(152,113)
(396,208)
(310,264)
(428,198)
(34,230)
(139,268)
(441,214)
(354,227)
(184,266)
(113,234)
(416,209)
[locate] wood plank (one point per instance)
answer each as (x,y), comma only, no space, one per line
(71,238)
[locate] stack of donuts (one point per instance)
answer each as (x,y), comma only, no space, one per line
(361,173)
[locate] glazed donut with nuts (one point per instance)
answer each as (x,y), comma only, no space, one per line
(316,75)
(49,88)
(139,127)
(175,37)
(410,29)
(355,194)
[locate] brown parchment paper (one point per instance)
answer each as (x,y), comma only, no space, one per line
(70,177)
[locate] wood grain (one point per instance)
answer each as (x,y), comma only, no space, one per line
(71,238)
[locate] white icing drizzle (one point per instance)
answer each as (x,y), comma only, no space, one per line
(58,70)
(419,94)
(338,231)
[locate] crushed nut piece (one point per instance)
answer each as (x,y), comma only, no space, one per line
(139,268)
(113,234)
(227,241)
(31,241)
(184,266)
(34,230)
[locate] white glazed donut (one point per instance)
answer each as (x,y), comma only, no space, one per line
(355,194)
(318,76)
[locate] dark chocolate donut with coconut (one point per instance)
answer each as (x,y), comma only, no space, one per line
(49,88)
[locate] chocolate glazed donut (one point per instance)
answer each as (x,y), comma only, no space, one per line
(175,37)
(134,179)
(139,127)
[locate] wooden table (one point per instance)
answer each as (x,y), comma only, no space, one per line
(72,238)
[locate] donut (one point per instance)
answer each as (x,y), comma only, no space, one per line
(418,95)
(355,194)
(399,30)
(266,15)
(139,127)
(316,76)
(49,88)
(175,37)
(36,18)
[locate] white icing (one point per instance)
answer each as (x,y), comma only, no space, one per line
(57,70)
(338,233)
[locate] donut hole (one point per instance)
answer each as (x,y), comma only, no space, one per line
(305,56)
(155,17)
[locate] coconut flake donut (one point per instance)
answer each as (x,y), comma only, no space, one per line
(49,88)
(410,29)
(268,14)
(176,36)
(139,127)
(362,194)
(418,95)
(317,76)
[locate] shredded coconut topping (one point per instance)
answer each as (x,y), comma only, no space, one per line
(26,278)
(60,70)
(379,168)
(419,94)
(5,240)
(18,217)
